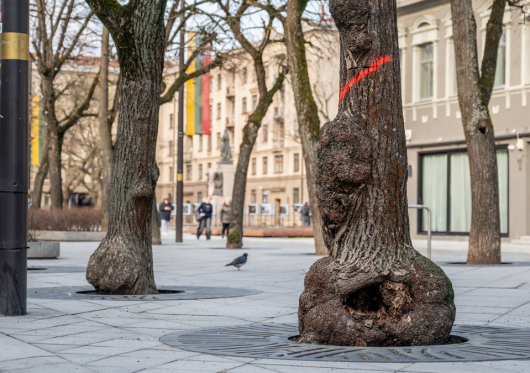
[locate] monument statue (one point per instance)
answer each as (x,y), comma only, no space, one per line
(217,184)
(226,153)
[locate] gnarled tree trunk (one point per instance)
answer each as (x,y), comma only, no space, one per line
(374,289)
(474,92)
(123,262)
(306,109)
(42,171)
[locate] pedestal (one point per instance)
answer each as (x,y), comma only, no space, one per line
(228,171)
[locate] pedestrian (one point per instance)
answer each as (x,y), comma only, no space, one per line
(226,210)
(306,220)
(205,213)
(165,209)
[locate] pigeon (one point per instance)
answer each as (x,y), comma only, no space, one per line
(239,261)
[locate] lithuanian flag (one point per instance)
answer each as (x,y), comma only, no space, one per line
(197,92)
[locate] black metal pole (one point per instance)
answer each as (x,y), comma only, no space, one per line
(14,155)
(180,144)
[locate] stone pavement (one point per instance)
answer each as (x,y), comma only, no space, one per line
(124,336)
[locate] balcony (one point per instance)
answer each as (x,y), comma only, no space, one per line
(277,145)
(230,121)
(231,91)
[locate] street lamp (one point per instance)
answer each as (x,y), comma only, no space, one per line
(14,155)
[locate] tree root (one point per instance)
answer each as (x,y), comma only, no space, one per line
(415,308)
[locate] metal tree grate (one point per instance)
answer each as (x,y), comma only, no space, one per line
(55,269)
(271,341)
(186,293)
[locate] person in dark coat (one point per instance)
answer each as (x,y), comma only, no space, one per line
(165,209)
(205,212)
(226,210)
(306,220)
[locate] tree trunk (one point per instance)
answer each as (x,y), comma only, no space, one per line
(156,239)
(36,193)
(123,262)
(374,289)
(306,109)
(105,131)
(54,160)
(474,93)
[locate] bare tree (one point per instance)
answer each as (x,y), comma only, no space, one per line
(474,93)
(233,18)
(60,29)
(373,289)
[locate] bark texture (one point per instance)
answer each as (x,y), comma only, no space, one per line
(105,130)
(374,289)
(42,172)
(474,92)
(123,262)
(306,109)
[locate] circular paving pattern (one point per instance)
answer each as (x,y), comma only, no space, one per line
(270,341)
(166,293)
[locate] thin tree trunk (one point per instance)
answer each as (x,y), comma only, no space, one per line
(54,160)
(156,239)
(250,133)
(123,262)
(36,193)
(105,131)
(474,92)
(306,109)
(374,289)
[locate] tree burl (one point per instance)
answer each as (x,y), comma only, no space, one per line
(373,289)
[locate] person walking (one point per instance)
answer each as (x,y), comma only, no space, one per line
(205,213)
(165,209)
(306,220)
(226,210)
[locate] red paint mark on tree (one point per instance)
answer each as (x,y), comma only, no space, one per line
(376,65)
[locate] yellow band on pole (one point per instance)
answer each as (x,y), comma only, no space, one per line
(14,46)
(179,177)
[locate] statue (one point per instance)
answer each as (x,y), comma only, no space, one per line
(226,153)
(217,184)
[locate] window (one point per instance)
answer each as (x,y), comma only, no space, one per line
(445,187)
(244,105)
(265,133)
(426,71)
(218,139)
(500,72)
(296,195)
(278,163)
(244,77)
(200,143)
(254,102)
(209,143)
(253,198)
(199,197)
(219,82)
(171,177)
(255,76)
(219,110)
(265,164)
(265,196)
(171,121)
(254,165)
(296,162)
(170,146)
(200,171)
(188,172)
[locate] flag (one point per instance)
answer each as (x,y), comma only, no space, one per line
(190,93)
(206,95)
(35,132)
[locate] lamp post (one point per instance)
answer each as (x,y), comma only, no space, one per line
(14,155)
(180,145)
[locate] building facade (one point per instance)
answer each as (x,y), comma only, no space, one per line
(276,172)
(438,163)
